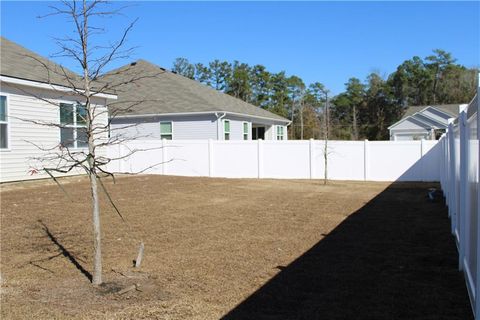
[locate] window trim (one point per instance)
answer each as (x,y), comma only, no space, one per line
(160,129)
(7,122)
(277,135)
(74,126)
(229,129)
(248,130)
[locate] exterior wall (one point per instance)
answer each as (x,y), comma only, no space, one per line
(192,127)
(183,127)
(408,130)
(23,107)
(409,135)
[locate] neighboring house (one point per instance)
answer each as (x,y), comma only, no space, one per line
(29,98)
(154,103)
(424,122)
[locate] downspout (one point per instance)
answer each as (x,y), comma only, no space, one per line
(287,125)
(218,122)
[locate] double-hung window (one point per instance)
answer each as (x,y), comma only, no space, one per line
(226,129)
(245,131)
(166,131)
(279,132)
(3,123)
(73,131)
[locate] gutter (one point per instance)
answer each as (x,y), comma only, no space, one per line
(199,113)
(42,85)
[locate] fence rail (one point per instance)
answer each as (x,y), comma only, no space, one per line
(459,177)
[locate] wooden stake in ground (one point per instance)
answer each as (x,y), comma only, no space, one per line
(138,262)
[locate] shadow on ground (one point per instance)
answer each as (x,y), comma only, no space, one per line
(64,252)
(393,259)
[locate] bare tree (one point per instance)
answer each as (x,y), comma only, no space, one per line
(94,135)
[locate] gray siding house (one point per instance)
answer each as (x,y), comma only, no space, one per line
(424,122)
(154,103)
(39,113)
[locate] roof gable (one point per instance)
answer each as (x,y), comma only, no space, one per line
(410,123)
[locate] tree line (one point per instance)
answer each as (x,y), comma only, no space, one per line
(364,110)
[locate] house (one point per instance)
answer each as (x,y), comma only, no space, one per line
(154,103)
(424,122)
(32,98)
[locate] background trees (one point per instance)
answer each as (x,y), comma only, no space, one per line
(363,111)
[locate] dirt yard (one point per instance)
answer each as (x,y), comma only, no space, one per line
(231,249)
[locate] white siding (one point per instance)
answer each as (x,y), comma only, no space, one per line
(23,107)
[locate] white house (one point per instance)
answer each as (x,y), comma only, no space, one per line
(424,122)
(30,98)
(154,103)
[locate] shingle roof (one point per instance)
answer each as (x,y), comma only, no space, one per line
(161,91)
(19,62)
(452,109)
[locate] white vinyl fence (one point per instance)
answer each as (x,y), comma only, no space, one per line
(459,180)
(347,160)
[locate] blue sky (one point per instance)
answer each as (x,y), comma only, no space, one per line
(318,41)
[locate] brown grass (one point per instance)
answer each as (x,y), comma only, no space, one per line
(239,249)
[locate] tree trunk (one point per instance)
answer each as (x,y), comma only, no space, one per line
(97,248)
(97,235)
(435,81)
(292,135)
(325,151)
(355,127)
(301,120)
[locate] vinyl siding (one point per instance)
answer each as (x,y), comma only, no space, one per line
(183,127)
(23,107)
(188,127)
(236,129)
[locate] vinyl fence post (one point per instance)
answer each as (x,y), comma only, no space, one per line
(366,160)
(452,176)
(462,123)
(210,158)
(260,158)
(477,285)
(312,158)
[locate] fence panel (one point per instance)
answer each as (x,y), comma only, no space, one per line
(177,154)
(396,160)
(286,159)
(459,180)
(240,155)
(346,160)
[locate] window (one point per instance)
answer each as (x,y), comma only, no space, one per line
(226,129)
(166,130)
(3,123)
(73,133)
(279,132)
(245,131)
